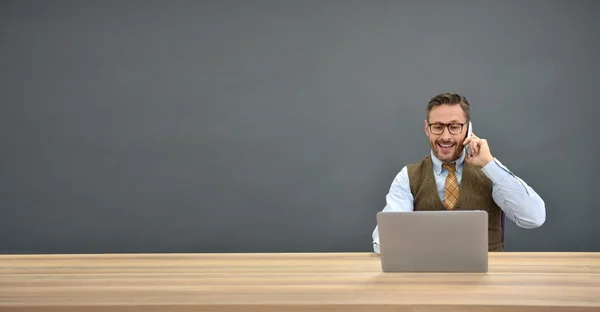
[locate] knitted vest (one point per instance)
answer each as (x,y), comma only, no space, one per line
(475,192)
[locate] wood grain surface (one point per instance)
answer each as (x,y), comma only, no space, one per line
(293,282)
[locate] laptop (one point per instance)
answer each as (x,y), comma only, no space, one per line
(433,241)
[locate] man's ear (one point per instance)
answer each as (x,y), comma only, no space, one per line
(426,129)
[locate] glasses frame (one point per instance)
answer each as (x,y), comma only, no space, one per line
(447,126)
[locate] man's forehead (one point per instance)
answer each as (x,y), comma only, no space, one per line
(447,114)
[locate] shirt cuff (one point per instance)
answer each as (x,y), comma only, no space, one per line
(495,171)
(376,248)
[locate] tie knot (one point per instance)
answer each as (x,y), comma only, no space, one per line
(449,167)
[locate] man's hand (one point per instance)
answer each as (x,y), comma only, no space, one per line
(481,151)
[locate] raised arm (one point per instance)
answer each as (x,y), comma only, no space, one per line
(519,201)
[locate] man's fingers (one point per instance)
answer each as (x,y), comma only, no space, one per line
(469,139)
(475,146)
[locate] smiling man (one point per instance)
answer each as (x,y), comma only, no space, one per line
(449,179)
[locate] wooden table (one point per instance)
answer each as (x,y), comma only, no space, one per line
(292,282)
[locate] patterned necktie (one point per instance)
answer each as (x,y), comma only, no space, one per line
(451,188)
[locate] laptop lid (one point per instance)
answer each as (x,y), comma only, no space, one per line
(433,241)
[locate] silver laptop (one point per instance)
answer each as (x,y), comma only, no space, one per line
(433,241)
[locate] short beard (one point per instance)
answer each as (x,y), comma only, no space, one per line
(457,151)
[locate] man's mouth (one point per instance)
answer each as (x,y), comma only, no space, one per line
(445,147)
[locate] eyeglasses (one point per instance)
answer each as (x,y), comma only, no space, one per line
(453,128)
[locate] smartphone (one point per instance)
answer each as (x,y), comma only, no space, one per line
(468,146)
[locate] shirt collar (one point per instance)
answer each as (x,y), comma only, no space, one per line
(437,164)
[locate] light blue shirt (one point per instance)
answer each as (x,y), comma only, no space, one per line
(520,203)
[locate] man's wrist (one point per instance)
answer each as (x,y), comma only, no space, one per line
(494,171)
(487,160)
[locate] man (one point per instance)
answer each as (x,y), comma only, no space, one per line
(451,180)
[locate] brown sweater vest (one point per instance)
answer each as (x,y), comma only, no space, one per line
(475,194)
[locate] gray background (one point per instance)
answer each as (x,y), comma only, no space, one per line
(278,126)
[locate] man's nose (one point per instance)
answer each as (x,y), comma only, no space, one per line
(446,134)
